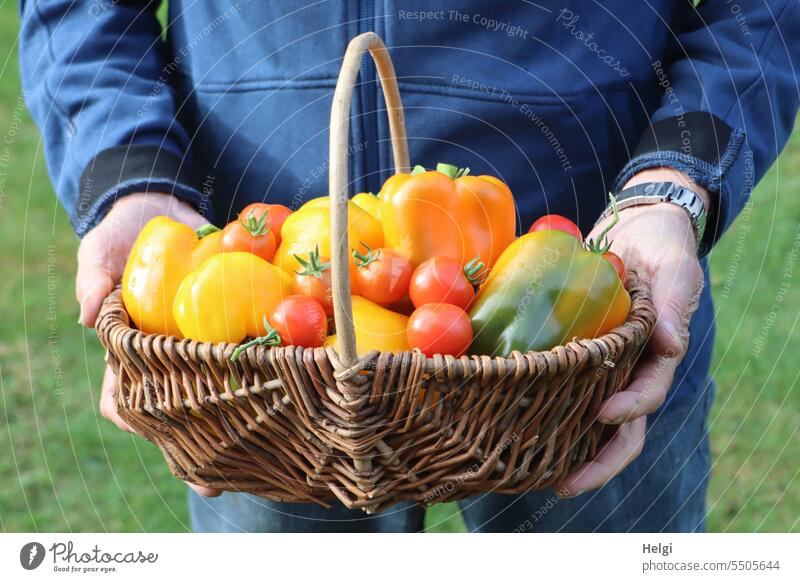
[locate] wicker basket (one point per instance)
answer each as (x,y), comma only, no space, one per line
(314,425)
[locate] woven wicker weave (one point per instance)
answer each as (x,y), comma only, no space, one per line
(313,425)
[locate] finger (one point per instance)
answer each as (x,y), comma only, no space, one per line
(184,213)
(676,287)
(94,280)
(204,491)
(613,458)
(108,407)
(649,385)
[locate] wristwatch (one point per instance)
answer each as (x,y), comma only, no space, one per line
(657,192)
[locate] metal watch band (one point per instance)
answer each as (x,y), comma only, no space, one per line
(657,192)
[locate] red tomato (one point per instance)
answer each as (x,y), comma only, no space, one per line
(403,307)
(556,222)
(250,234)
(300,321)
(617,263)
(314,279)
(440,280)
(383,275)
(276,215)
(439,328)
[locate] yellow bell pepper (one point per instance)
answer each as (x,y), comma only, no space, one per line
(310,226)
(376,328)
(227,297)
(369,202)
(163,254)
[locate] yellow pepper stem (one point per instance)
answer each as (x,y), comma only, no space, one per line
(206,230)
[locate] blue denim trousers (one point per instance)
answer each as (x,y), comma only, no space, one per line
(663,490)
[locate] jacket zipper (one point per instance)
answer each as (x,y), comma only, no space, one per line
(368,95)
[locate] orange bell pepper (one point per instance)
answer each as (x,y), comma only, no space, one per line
(448,213)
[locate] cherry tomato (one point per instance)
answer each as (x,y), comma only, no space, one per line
(300,321)
(617,263)
(556,222)
(314,279)
(250,234)
(439,328)
(440,280)
(276,215)
(383,275)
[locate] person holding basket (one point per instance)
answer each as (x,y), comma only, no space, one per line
(678,110)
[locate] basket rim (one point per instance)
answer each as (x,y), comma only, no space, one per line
(114,319)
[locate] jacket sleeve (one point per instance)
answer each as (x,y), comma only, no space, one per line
(97,82)
(730,97)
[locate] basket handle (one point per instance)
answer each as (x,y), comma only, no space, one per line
(338,179)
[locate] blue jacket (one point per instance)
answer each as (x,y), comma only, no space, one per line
(231,104)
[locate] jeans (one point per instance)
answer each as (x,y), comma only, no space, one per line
(663,490)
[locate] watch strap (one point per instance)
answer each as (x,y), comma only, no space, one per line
(657,192)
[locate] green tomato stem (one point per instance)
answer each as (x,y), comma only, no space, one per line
(602,245)
(256,226)
(272,339)
(362,260)
(312,267)
(476,271)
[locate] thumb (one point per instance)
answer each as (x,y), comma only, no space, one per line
(93,282)
(184,213)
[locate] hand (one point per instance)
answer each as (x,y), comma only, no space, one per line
(658,242)
(101,259)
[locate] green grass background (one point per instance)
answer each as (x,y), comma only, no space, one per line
(63,467)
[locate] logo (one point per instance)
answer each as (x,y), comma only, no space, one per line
(31,555)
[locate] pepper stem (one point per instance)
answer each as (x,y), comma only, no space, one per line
(451,171)
(272,338)
(448,170)
(206,230)
(602,244)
